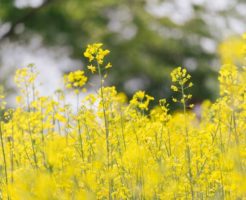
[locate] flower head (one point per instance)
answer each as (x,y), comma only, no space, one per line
(95,53)
(75,79)
(181,82)
(141,100)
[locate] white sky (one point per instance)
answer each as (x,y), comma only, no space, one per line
(28,3)
(49,61)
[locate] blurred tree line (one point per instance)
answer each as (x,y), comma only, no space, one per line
(147,38)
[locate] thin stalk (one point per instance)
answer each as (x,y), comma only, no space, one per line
(42,135)
(105,124)
(4,159)
(80,141)
(122,127)
(33,145)
(25,148)
(235,127)
(27,97)
(4,155)
(104,112)
(12,152)
(79,130)
(188,153)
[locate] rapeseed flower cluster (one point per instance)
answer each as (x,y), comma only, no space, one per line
(75,80)
(112,148)
(141,100)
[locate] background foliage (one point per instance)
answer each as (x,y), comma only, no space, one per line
(148,37)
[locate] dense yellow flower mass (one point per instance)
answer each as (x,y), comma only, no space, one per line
(110,148)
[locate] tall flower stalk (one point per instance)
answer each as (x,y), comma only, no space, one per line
(95,53)
(181,82)
(2,107)
(76,80)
